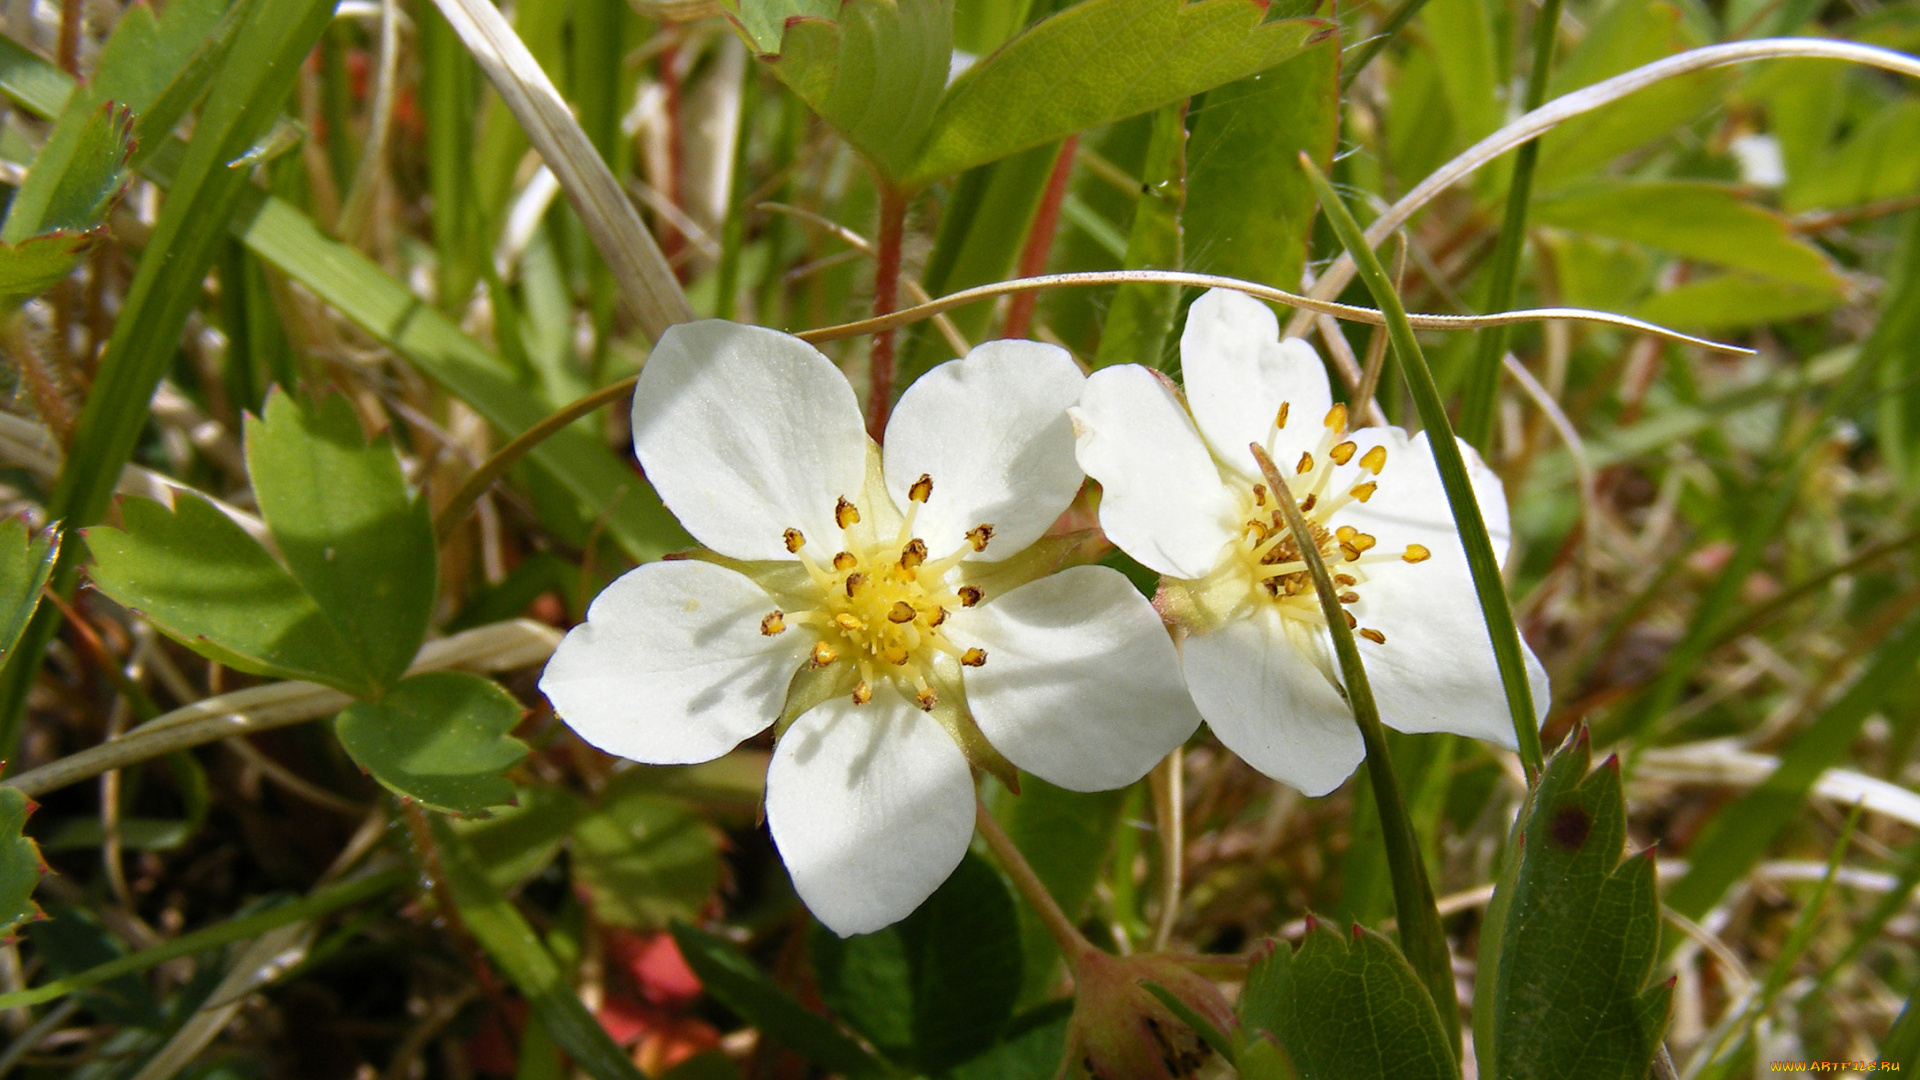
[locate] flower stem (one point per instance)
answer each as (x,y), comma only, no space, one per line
(1487,585)
(1046,221)
(886,289)
(1073,945)
(1421,936)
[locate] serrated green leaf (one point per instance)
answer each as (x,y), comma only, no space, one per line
(25,563)
(33,266)
(203,581)
(644,858)
(1572,937)
(1249,207)
(20,863)
(874,69)
(1709,222)
(734,980)
(1097,62)
(346,527)
(933,989)
(1346,1008)
(518,841)
(440,739)
(94,171)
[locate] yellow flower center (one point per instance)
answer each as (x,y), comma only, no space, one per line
(880,603)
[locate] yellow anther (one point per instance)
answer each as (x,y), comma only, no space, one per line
(1259,494)
(1374,460)
(939,616)
(922,489)
(1363,541)
(1280,418)
(1306,464)
(902,612)
(1257,531)
(795,540)
(862,693)
(1345,533)
(979,535)
(895,655)
(1349,597)
(845,514)
(1365,491)
(1344,579)
(1374,636)
(969,595)
(928,699)
(854,581)
(1417,553)
(913,554)
(1342,453)
(1307,504)
(1337,418)
(774,623)
(845,561)
(822,654)
(848,623)
(1351,621)
(1352,553)
(974,657)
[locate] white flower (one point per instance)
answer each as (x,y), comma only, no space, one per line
(893,614)
(1189,503)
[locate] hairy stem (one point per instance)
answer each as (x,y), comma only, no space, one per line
(1046,222)
(1073,945)
(886,290)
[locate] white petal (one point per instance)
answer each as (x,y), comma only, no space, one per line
(992,431)
(1237,373)
(670,667)
(1410,506)
(871,806)
(1161,499)
(1437,671)
(1268,700)
(746,432)
(1082,685)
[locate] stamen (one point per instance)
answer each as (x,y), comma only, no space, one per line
(939,616)
(895,655)
(1343,453)
(1280,418)
(1306,463)
(1349,597)
(848,623)
(969,595)
(1351,621)
(1345,533)
(914,554)
(902,612)
(1417,553)
(1257,531)
(974,657)
(1363,541)
(1344,579)
(795,541)
(1259,494)
(1351,553)
(1374,636)
(822,654)
(922,489)
(927,698)
(774,623)
(862,693)
(845,561)
(845,514)
(854,581)
(1306,504)
(1374,460)
(1337,418)
(1364,491)
(979,535)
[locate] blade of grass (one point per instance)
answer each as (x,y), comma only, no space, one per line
(1487,584)
(1483,378)
(1421,936)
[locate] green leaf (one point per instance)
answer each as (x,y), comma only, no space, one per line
(1697,220)
(203,581)
(874,69)
(346,527)
(1888,350)
(735,982)
(1344,1009)
(1249,206)
(518,841)
(932,989)
(1460,35)
(1140,322)
(33,266)
(1571,937)
(91,173)
(502,931)
(440,739)
(1030,1050)
(1097,62)
(25,564)
(20,863)
(1732,301)
(1064,836)
(645,859)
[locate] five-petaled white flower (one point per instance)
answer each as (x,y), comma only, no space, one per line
(1183,495)
(895,615)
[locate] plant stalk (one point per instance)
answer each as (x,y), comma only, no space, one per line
(1073,945)
(1046,222)
(886,291)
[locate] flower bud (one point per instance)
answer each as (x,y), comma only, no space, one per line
(1121,1031)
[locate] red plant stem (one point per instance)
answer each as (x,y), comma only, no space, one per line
(1046,222)
(69,44)
(886,288)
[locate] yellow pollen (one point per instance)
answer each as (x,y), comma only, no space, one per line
(1256,531)
(1306,464)
(795,540)
(1352,553)
(822,654)
(1417,553)
(774,623)
(1337,418)
(927,698)
(1349,597)
(854,581)
(1363,541)
(1307,504)
(845,514)
(1342,453)
(974,657)
(848,623)
(1345,533)
(939,616)
(1259,494)
(979,535)
(1351,621)
(922,489)
(913,554)
(1374,636)
(902,612)
(969,595)
(1364,491)
(1280,418)
(862,693)
(1344,579)
(1374,460)
(895,655)
(845,561)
